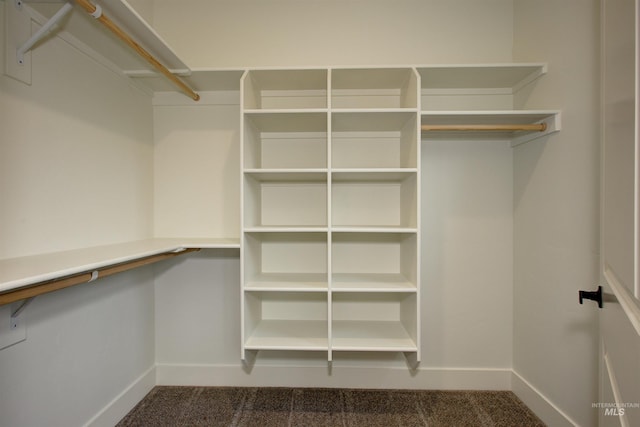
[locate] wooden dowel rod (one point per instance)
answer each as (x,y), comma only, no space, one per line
(90,8)
(537,127)
(65,282)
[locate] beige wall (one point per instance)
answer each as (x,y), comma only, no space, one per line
(77,170)
(556,205)
(76,157)
(467,186)
(243,33)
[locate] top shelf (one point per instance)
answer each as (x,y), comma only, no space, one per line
(335,88)
(84,28)
(503,78)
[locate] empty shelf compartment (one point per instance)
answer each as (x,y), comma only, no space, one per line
(285,141)
(375,199)
(374,262)
(285,200)
(285,89)
(285,261)
(374,322)
(374,88)
(285,321)
(374,140)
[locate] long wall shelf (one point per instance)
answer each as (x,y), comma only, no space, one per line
(24,272)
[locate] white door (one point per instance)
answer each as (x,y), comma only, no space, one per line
(620,315)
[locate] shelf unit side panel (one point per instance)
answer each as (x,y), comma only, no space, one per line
(252,202)
(409,316)
(411,89)
(252,146)
(251,93)
(409,201)
(409,144)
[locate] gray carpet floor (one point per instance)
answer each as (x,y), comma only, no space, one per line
(308,407)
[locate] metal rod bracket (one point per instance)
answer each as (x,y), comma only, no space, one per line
(26,47)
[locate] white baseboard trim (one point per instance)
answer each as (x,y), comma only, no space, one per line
(336,377)
(120,406)
(549,413)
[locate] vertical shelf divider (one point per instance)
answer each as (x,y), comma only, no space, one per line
(329,221)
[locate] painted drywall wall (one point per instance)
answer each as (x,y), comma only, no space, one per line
(85,347)
(556,205)
(144,8)
(467,192)
(232,33)
(196,168)
(76,159)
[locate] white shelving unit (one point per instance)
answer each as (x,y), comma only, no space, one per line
(330,186)
(330,247)
(330,183)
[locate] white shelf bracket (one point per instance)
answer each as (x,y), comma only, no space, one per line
(553,124)
(35,38)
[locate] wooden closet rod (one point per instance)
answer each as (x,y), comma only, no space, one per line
(86,277)
(537,127)
(97,13)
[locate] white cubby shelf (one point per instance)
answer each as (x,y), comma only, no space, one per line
(330,209)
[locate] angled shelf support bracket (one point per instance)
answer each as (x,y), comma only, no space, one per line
(20,309)
(42,32)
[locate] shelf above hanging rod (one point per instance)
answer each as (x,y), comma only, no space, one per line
(96,12)
(536,127)
(56,284)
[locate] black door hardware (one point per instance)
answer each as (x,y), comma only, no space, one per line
(592,295)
